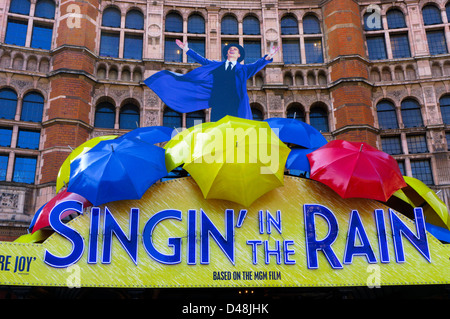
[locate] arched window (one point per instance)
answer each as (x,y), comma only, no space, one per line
(196,24)
(105,115)
(8,102)
(20,7)
(111,17)
(42,28)
(387,117)
(318,119)
(372,21)
(411,113)
(174,23)
(229,25)
(134,20)
(257,114)
(395,19)
(295,111)
(431,15)
(289,25)
(172,119)
(129,117)
(311,25)
(445,109)
(251,26)
(195,118)
(32,107)
(45,9)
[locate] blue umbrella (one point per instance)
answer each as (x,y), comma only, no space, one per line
(296,132)
(297,159)
(440,233)
(151,134)
(35,217)
(117,169)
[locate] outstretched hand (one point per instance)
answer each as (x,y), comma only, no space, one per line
(182,45)
(273,51)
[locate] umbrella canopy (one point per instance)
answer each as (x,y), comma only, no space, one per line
(64,171)
(356,170)
(42,215)
(178,149)
(301,137)
(151,134)
(116,170)
(296,132)
(238,160)
(417,194)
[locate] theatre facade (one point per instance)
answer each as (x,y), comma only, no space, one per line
(367,71)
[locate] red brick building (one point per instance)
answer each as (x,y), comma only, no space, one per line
(358,70)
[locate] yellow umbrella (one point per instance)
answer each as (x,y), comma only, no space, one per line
(64,170)
(238,160)
(37,237)
(178,149)
(420,195)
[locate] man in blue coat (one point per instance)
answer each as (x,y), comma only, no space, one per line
(221,86)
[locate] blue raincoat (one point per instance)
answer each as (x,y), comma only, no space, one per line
(191,91)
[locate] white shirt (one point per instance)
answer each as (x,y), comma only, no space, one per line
(233,63)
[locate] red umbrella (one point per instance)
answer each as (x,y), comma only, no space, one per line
(42,220)
(356,170)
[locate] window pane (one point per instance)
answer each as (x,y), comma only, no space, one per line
(174,23)
(289,25)
(400,46)
(28,139)
(401,166)
(431,15)
(447,11)
(392,145)
(42,37)
(252,51)
(421,169)
(295,112)
(319,119)
(229,25)
(3,167)
(311,25)
(291,52)
(32,107)
(16,32)
(105,115)
(5,136)
(395,19)
(387,117)
(129,117)
(257,114)
(196,24)
(20,7)
(24,170)
(251,26)
(447,136)
(436,42)
(111,18)
(411,114)
(8,102)
(133,47)
(172,118)
(313,51)
(372,21)
(377,48)
(134,20)
(445,109)
(197,45)
(172,52)
(417,144)
(45,9)
(109,44)
(194,118)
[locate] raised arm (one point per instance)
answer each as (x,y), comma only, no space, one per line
(197,57)
(255,67)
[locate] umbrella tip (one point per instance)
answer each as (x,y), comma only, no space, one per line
(360,149)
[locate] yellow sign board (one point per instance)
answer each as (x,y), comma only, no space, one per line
(300,234)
